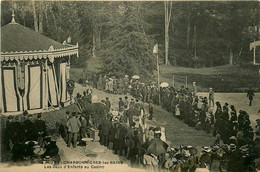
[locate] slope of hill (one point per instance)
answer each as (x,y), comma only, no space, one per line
(226,78)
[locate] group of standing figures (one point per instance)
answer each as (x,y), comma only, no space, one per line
(230,127)
(28,139)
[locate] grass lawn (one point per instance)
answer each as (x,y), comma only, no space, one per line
(222,78)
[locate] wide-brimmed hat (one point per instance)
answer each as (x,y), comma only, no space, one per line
(232,138)
(232,146)
(206,149)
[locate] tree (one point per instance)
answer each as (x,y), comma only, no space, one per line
(127,49)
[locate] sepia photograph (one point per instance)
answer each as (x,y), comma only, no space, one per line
(156,86)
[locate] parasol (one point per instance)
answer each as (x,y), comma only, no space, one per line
(164,84)
(136,77)
(156,147)
(87,139)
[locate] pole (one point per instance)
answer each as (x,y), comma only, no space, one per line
(186,83)
(46,84)
(254,56)
(158,73)
(195,37)
(173,84)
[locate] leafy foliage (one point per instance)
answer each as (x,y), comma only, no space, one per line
(127,49)
(123,34)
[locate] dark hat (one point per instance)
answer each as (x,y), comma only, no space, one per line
(53,142)
(120,98)
(226,104)
(107,98)
(215,148)
(10,117)
(242,111)
(39,115)
(126,97)
(25,112)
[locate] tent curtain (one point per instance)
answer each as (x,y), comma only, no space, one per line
(11,99)
(34,97)
(52,85)
(26,83)
(62,83)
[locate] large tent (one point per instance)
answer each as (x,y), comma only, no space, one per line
(34,70)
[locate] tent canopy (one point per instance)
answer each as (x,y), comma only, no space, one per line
(15,37)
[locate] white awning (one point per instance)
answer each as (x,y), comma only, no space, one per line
(41,54)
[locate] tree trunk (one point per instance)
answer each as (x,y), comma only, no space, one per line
(188,25)
(168,9)
(230,56)
(99,37)
(35,20)
(94,44)
(40,19)
(54,20)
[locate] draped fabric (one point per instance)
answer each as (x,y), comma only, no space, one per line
(11,99)
(34,97)
(62,83)
(26,83)
(39,89)
(52,87)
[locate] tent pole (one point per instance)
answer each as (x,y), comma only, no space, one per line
(254,56)
(46,85)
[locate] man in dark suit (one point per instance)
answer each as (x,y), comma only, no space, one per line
(29,129)
(108,104)
(105,128)
(8,132)
(40,128)
(121,105)
(250,95)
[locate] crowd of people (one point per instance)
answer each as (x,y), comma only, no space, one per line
(28,139)
(230,128)
(124,129)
